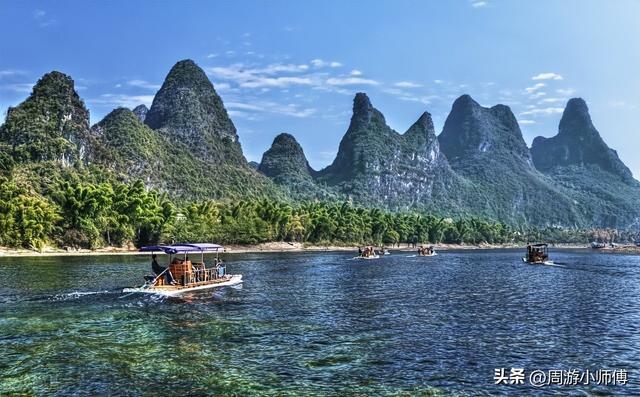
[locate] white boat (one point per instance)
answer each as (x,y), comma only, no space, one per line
(182,275)
(367,257)
(426,251)
(175,290)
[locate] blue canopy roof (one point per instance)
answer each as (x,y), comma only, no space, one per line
(184,248)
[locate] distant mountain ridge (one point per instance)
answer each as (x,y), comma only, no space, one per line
(186,145)
(380,166)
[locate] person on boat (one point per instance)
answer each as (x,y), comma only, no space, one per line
(158,270)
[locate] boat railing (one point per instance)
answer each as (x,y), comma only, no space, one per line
(202,275)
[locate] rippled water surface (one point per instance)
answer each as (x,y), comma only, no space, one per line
(320,324)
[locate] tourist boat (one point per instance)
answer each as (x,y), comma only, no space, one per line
(368,257)
(367,253)
(598,245)
(537,254)
(426,251)
(188,276)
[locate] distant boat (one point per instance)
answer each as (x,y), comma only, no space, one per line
(537,254)
(367,253)
(426,251)
(598,245)
(368,257)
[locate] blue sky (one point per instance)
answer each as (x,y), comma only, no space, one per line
(291,66)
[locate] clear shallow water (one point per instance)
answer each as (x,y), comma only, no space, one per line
(320,324)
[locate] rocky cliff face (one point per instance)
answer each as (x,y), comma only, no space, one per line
(188,110)
(52,124)
(377,165)
(579,161)
(485,145)
(578,143)
(141,112)
(474,133)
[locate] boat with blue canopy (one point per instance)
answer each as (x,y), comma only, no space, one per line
(182,274)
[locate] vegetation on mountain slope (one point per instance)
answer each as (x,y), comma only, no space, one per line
(176,172)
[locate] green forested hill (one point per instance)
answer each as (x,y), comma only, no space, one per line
(176,171)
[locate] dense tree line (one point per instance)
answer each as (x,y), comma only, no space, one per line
(93,215)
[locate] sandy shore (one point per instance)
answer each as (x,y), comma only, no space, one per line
(282,247)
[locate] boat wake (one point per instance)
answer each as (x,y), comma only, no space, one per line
(79,294)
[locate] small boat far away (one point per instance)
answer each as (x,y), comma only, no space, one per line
(537,254)
(597,245)
(426,251)
(181,275)
(367,253)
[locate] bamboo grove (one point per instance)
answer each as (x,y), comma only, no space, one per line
(94,215)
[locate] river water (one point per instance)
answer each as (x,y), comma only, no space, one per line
(321,324)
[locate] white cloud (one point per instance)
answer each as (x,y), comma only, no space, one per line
(340,81)
(121,100)
(566,92)
(547,76)
(478,4)
(438,81)
(422,99)
(41,16)
(259,82)
(534,88)
(622,104)
(538,94)
(249,109)
(355,72)
(143,84)
(222,87)
(319,63)
(327,155)
(542,111)
(242,106)
(408,96)
(553,100)
(23,88)
(11,73)
(526,122)
(210,56)
(407,84)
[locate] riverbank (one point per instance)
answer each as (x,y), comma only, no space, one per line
(282,247)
